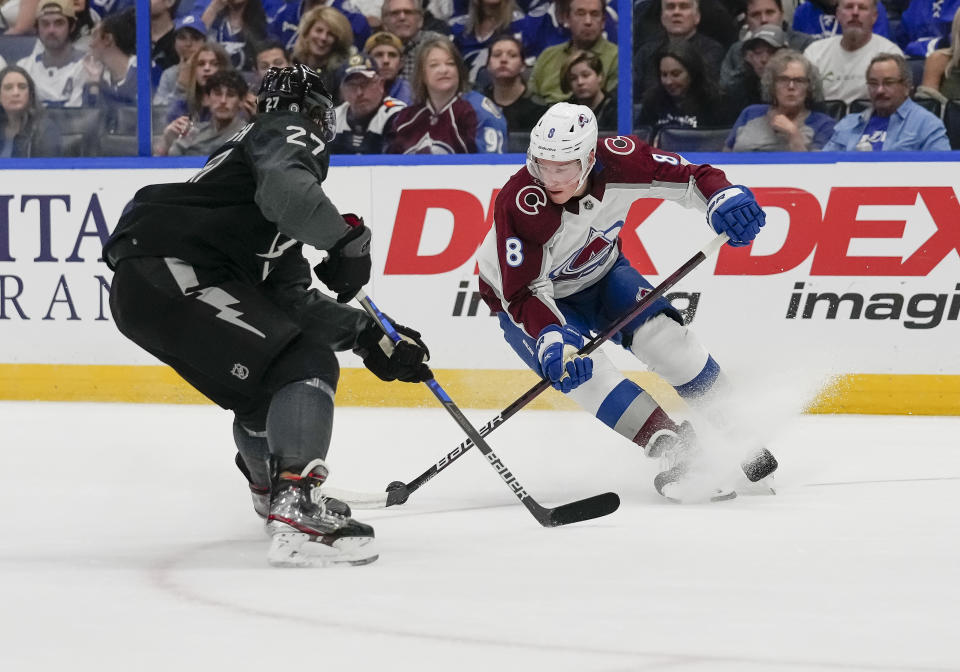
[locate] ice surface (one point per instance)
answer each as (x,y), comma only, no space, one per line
(130,544)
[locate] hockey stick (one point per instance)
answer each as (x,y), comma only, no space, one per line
(398,492)
(584,509)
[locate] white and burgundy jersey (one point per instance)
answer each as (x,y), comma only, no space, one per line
(538,251)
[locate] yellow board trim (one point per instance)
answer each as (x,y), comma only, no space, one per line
(853,393)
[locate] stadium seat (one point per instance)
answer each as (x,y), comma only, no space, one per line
(78,128)
(951,119)
(916,69)
(834,108)
(114,144)
(645,133)
(15,47)
(517,142)
(931,105)
(859,105)
(692,139)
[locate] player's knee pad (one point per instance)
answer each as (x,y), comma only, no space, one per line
(299,423)
(304,358)
(670,350)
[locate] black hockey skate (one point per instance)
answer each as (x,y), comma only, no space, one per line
(308,529)
(676,481)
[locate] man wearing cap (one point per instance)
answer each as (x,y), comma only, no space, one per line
(758,47)
(386,50)
(759,13)
(363,120)
(843,59)
(57,70)
(189,34)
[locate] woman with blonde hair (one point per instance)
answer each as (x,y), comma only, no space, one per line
(941,70)
(324,43)
(791,87)
(445,118)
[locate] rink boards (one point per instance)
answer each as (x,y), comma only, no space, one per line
(852,290)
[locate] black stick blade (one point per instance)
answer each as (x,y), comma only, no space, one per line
(585,509)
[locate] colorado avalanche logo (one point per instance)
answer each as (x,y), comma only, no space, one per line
(583,120)
(593,255)
(531,199)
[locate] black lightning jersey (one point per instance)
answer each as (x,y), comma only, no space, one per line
(256,199)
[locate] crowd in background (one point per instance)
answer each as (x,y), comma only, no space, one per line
(473,76)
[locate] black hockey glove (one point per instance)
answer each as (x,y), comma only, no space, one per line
(404,361)
(347,266)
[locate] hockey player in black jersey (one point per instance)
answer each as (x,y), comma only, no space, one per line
(210,278)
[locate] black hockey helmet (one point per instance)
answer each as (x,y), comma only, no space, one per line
(298,89)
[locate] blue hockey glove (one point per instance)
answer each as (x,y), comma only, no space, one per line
(734,211)
(557,351)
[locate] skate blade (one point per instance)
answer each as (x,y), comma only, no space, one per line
(297,549)
(763,487)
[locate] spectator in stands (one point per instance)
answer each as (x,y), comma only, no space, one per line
(188,36)
(25,131)
(585,19)
(162,49)
(238,25)
(112,67)
(386,50)
(364,119)
(508,88)
(267,54)
(758,48)
(83,27)
(210,58)
(546,23)
(582,78)
(57,70)
(684,97)
(474,32)
(445,117)
(786,123)
(718,20)
(284,17)
(759,13)
(404,18)
(223,95)
(941,74)
(18,18)
(925,26)
(3,61)
(843,59)
(821,18)
(679,21)
(324,43)
(894,122)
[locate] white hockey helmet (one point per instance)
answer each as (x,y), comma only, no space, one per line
(565,132)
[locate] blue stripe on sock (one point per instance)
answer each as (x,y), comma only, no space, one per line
(703,381)
(617,402)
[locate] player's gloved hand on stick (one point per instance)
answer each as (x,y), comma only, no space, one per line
(347,266)
(405,361)
(557,351)
(735,211)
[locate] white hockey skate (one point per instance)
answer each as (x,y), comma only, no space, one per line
(678,480)
(308,529)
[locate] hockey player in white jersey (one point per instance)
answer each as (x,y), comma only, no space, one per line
(552,269)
